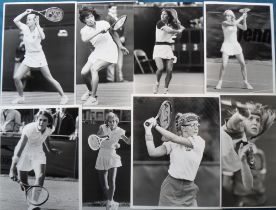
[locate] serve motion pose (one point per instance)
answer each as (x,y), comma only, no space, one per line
(34,56)
(186,151)
(29,154)
(106,44)
(231,46)
(166,29)
(244,126)
(108,160)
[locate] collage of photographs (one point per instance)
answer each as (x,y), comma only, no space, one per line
(137,105)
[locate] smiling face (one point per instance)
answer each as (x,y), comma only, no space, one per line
(90,20)
(164,16)
(42,123)
(30,21)
(191,128)
(252,125)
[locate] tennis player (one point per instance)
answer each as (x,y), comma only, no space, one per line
(108,160)
(231,46)
(34,56)
(29,154)
(106,46)
(166,29)
(186,151)
(241,129)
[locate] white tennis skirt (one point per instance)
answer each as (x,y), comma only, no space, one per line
(30,161)
(107,159)
(231,48)
(163,51)
(108,54)
(35,59)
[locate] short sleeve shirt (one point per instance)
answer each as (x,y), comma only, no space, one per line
(31,39)
(161,35)
(184,161)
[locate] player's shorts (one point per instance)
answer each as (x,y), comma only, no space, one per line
(178,192)
(31,161)
(35,59)
(163,51)
(107,159)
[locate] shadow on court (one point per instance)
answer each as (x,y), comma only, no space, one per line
(260,76)
(41,98)
(63,194)
(180,83)
(115,93)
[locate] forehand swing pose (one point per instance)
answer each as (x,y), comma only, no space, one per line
(186,151)
(34,56)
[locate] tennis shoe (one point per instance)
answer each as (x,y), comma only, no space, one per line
(218,87)
(155,89)
(114,205)
(247,85)
(19,100)
(91,101)
(63,100)
(85,96)
(166,91)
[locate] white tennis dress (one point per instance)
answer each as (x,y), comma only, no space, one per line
(105,48)
(230,45)
(107,156)
(33,154)
(163,42)
(34,56)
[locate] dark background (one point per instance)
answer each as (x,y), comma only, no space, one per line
(149,173)
(255,41)
(145,19)
(84,49)
(59,51)
(92,192)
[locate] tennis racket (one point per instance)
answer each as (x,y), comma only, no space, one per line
(53,14)
(95,141)
(244,10)
(164,115)
(115,26)
(35,194)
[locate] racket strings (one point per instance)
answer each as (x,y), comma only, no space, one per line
(54,14)
(37,195)
(119,23)
(95,143)
(165,116)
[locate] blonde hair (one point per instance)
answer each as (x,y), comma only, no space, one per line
(229,12)
(112,115)
(184,119)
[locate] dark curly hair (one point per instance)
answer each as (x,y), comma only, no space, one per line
(85,12)
(47,114)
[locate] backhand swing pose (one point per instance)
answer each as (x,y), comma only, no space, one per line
(108,161)
(105,53)
(186,151)
(29,154)
(231,46)
(166,29)
(34,56)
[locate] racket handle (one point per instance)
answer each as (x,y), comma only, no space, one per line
(148,124)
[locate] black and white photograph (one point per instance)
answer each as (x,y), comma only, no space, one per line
(104,59)
(239,48)
(39,158)
(176,152)
(38,50)
(248,150)
(169,48)
(106,143)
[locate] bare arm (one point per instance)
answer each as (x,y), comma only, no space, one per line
(244,25)
(85,37)
(173,137)
(17,122)
(40,30)
(17,19)
(235,122)
(117,40)
(127,140)
(247,177)
(173,31)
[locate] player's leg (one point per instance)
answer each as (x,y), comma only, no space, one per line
(222,71)
(48,76)
(17,77)
(96,67)
(23,177)
(103,174)
(110,73)
(112,173)
(240,58)
(119,67)
(169,68)
(86,76)
(160,67)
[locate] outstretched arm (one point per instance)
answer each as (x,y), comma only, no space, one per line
(40,30)
(17,19)
(117,40)
(152,150)
(173,31)
(244,25)
(51,149)
(247,177)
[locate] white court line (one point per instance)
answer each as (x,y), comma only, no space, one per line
(238,82)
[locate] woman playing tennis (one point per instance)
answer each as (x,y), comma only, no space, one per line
(231,46)
(186,151)
(108,161)
(106,46)
(166,29)
(240,131)
(29,154)
(34,56)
